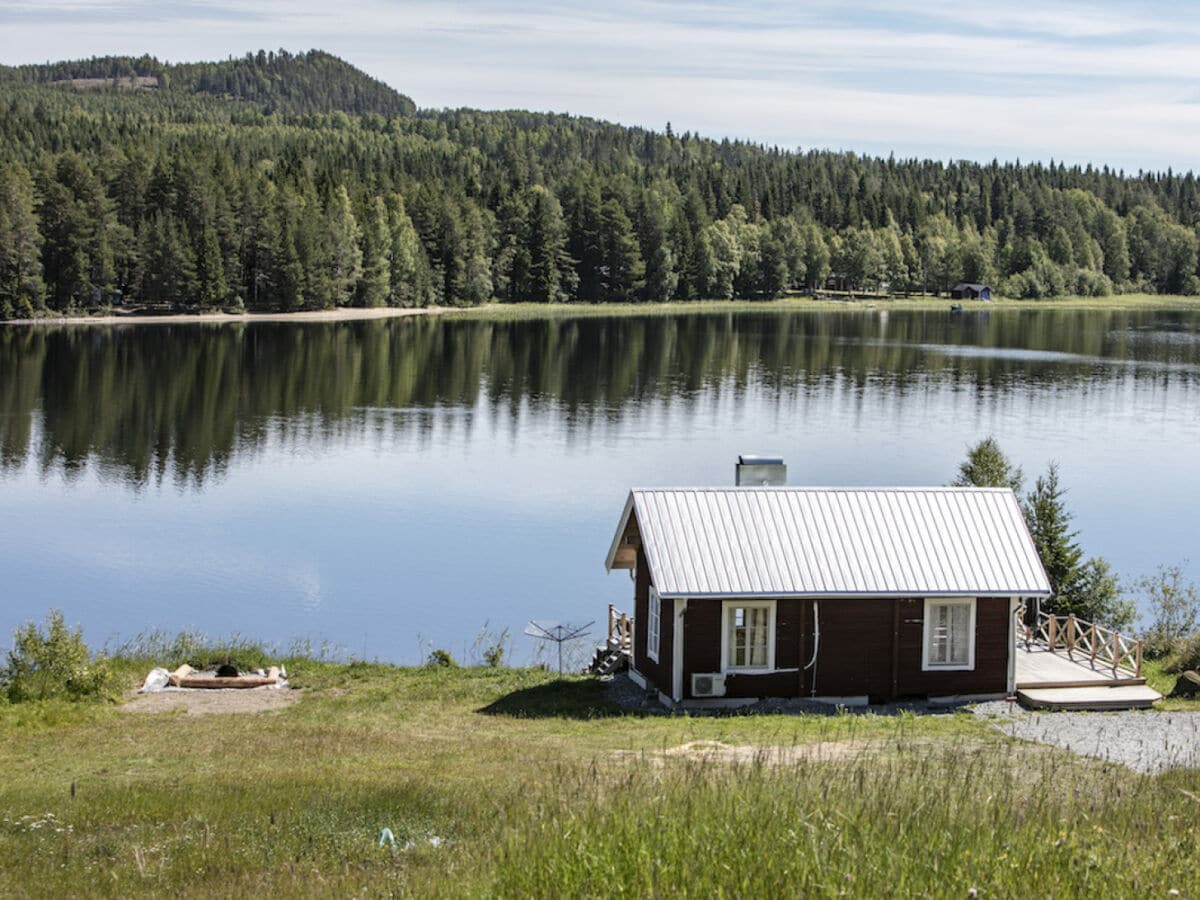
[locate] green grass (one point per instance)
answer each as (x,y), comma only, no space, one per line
(1163,681)
(799,303)
(792,303)
(533,786)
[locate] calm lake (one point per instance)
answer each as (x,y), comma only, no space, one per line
(388,486)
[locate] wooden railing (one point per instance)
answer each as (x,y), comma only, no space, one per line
(620,630)
(1086,642)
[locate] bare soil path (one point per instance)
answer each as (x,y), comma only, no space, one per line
(209,702)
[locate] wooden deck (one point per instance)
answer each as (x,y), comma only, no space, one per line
(1038,667)
(1051,680)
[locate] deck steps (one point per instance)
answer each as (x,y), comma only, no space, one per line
(607,660)
(1082,683)
(1092,697)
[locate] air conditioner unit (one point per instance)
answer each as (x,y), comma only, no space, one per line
(708,685)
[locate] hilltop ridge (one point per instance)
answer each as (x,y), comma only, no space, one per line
(273,81)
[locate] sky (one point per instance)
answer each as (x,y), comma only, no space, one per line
(1106,83)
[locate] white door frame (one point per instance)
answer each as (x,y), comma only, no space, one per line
(677,651)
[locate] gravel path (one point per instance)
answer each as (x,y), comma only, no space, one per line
(1145,741)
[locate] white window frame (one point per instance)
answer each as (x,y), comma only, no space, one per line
(727,608)
(927,635)
(653,624)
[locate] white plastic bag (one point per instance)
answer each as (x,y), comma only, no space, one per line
(155,681)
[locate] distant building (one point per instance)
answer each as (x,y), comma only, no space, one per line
(966,291)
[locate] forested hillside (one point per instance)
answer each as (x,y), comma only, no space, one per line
(311,82)
(282,181)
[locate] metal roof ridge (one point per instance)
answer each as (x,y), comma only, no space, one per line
(878,489)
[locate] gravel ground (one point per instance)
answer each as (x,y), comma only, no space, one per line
(1144,740)
(623,692)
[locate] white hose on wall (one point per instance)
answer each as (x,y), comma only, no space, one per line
(812,663)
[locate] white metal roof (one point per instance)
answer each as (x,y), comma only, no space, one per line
(791,541)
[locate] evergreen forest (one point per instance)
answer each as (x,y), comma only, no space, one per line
(282,181)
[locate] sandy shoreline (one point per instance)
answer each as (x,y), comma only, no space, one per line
(344,314)
(547,310)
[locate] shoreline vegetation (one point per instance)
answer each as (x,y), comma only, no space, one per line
(503,310)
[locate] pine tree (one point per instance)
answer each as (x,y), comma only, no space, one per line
(477,284)
(661,279)
(375,285)
(211,289)
(167,273)
(345,255)
(586,243)
(409,267)
(622,269)
(550,272)
(76,217)
(22,290)
(512,254)
(259,242)
(288,282)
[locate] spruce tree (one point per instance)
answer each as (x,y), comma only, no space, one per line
(987,466)
(1050,525)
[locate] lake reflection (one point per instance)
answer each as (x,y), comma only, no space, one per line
(387,484)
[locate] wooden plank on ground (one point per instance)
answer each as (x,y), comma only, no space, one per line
(241,681)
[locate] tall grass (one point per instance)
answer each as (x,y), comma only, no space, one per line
(509,782)
(935,823)
(195,648)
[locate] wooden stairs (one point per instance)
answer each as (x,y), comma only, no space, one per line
(1103,697)
(608,661)
(613,655)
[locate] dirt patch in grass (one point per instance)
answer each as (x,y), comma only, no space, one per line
(204,703)
(763,754)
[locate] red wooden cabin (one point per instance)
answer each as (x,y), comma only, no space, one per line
(848,595)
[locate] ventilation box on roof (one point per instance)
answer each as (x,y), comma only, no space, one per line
(753,470)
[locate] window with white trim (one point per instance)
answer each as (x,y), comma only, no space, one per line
(949,634)
(748,635)
(653,624)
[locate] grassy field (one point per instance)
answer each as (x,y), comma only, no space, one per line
(830,303)
(508,782)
